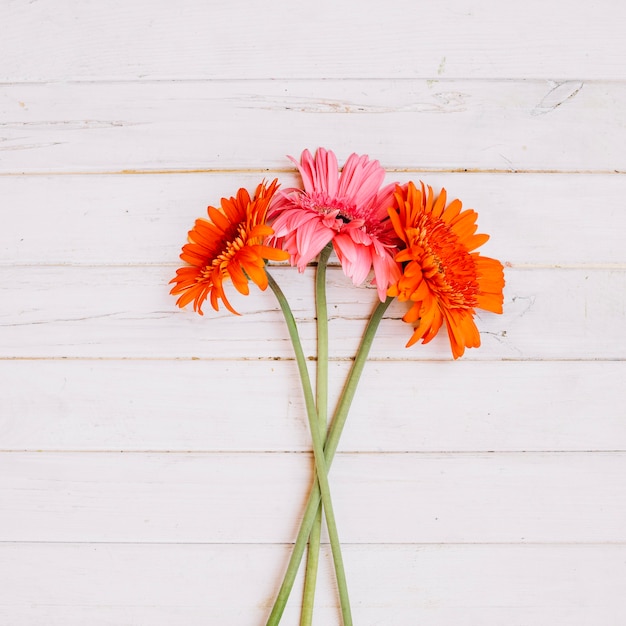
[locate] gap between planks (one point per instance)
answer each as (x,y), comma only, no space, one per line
(324,541)
(407,170)
(346,453)
(334,264)
(309,79)
(288,359)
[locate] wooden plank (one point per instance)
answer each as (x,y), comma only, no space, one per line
(194,406)
(189,40)
(259,497)
(111,584)
(416,124)
(119,312)
(532,218)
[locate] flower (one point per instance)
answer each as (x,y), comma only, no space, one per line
(349,209)
(230,244)
(421,251)
(442,275)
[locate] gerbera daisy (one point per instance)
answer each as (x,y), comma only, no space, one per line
(230,244)
(442,275)
(349,209)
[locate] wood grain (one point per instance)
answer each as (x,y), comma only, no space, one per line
(184,405)
(533,219)
(379,498)
(438,585)
(431,124)
(126,312)
(153,40)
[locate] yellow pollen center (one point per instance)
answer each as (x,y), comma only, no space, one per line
(446,265)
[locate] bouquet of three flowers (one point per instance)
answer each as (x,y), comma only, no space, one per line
(418,248)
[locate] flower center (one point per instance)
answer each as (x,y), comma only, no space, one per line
(446,265)
(339,209)
(230,244)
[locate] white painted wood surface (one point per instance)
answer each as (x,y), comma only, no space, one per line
(139,484)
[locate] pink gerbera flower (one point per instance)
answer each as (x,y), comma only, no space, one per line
(347,208)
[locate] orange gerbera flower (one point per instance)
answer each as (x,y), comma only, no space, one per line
(230,244)
(442,275)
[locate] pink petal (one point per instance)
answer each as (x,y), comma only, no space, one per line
(360,179)
(306,168)
(355,259)
(384,200)
(310,240)
(327,174)
(386,272)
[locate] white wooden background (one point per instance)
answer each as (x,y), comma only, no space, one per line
(154,464)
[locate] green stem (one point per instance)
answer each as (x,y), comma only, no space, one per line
(310,576)
(321,310)
(318,452)
(334,434)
